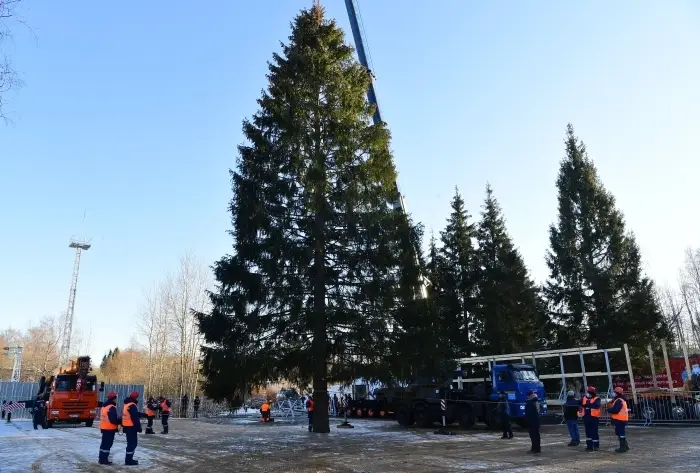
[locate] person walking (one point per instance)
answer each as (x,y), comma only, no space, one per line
(532,417)
(504,413)
(109,423)
(151,408)
(572,411)
(131,425)
(310,412)
(196,404)
(619,416)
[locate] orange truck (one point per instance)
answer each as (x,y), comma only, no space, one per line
(71,395)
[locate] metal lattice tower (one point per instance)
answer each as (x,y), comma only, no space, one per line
(16,351)
(79,246)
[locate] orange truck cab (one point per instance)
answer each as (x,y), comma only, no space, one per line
(71,395)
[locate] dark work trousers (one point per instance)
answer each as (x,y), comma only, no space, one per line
(149,425)
(132,441)
(196,412)
(106,444)
(311,421)
(620,428)
(164,419)
(507,429)
(534,438)
(573,431)
(590,425)
(9,416)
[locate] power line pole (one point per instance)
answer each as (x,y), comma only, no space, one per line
(79,246)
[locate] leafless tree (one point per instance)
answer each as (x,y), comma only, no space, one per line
(690,291)
(9,79)
(674,312)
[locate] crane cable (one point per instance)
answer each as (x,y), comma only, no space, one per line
(364,35)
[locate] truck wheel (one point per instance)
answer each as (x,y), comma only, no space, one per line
(495,419)
(423,418)
(88,423)
(466,418)
(404,418)
(49,424)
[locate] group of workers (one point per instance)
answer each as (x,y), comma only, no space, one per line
(130,422)
(588,408)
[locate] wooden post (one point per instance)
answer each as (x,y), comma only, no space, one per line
(687,361)
(653,368)
(668,370)
(630,374)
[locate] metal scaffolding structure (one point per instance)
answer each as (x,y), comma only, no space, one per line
(79,246)
(15,351)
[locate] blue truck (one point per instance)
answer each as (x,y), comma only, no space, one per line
(467,401)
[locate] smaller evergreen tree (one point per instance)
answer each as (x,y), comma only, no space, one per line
(455,266)
(508,306)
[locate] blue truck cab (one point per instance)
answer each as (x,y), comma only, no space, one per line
(516,380)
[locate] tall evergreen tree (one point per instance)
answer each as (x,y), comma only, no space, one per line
(316,277)
(509,307)
(596,292)
(456,268)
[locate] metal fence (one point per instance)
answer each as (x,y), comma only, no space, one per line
(651,407)
(18,392)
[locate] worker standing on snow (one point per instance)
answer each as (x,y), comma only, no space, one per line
(572,409)
(131,425)
(504,412)
(620,416)
(165,406)
(532,417)
(197,402)
(109,423)
(310,412)
(151,408)
(591,418)
(265,411)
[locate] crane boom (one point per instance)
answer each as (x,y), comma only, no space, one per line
(399,203)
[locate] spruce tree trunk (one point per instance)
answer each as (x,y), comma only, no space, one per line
(318,346)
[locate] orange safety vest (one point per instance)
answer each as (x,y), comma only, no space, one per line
(265,407)
(164,407)
(311,405)
(105,423)
(623,415)
(150,412)
(594,412)
(127,421)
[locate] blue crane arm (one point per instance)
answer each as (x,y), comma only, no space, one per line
(362,56)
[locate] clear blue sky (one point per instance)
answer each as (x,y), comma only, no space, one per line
(132,112)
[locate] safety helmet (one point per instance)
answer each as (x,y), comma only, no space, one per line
(619,390)
(134,395)
(111,395)
(591,389)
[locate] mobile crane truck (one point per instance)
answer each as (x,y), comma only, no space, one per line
(68,396)
(470,400)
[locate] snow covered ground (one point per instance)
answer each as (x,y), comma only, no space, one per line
(245,445)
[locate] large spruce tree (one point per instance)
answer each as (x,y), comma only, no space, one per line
(454,271)
(508,305)
(596,292)
(317,275)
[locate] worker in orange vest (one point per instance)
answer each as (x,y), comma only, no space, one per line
(265,411)
(131,425)
(591,418)
(151,408)
(109,423)
(310,412)
(165,406)
(619,415)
